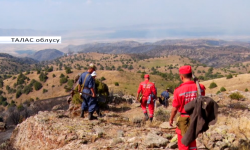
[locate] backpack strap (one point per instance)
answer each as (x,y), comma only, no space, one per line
(84,81)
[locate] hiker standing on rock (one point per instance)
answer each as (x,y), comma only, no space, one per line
(146,89)
(165,97)
(184,94)
(95,89)
(86,87)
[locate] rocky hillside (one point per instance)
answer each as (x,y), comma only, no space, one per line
(47,54)
(14,65)
(124,128)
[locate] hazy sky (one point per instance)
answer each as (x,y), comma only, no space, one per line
(89,14)
(91,20)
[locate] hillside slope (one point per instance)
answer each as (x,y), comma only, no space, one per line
(14,65)
(216,53)
(241,82)
(47,54)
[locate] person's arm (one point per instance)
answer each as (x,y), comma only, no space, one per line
(79,88)
(173,113)
(91,86)
(154,90)
(176,105)
(138,92)
(93,92)
(79,84)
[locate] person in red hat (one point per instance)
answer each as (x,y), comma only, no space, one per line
(147,88)
(184,94)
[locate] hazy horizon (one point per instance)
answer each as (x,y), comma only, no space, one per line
(87,21)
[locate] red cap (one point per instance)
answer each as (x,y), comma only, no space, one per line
(146,76)
(185,70)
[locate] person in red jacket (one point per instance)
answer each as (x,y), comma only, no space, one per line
(147,88)
(184,94)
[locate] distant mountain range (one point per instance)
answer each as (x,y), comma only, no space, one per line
(47,54)
(215,53)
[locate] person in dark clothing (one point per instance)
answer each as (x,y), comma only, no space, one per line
(184,94)
(86,87)
(165,97)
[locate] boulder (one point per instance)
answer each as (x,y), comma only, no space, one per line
(155,141)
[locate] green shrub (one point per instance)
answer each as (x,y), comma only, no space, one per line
(102,78)
(45,90)
(5,103)
(54,75)
(70,83)
(21,79)
(218,92)
(236,95)
(37,86)
(222,89)
(116,84)
(1,83)
(62,76)
(18,93)
(63,80)
(212,85)
(68,70)
(229,76)
(20,107)
(246,90)
(43,77)
(27,89)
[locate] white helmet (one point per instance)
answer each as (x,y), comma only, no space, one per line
(93,74)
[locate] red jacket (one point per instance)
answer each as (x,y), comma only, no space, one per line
(186,93)
(149,90)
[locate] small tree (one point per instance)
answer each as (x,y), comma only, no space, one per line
(53,75)
(246,90)
(212,85)
(68,70)
(18,93)
(62,75)
(222,89)
(43,77)
(37,86)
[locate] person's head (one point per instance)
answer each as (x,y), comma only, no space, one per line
(185,73)
(146,77)
(91,68)
(93,74)
(167,89)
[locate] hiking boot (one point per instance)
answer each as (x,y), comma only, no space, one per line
(82,114)
(151,119)
(91,117)
(146,116)
(99,113)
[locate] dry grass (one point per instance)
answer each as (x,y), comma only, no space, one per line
(239,126)
(241,82)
